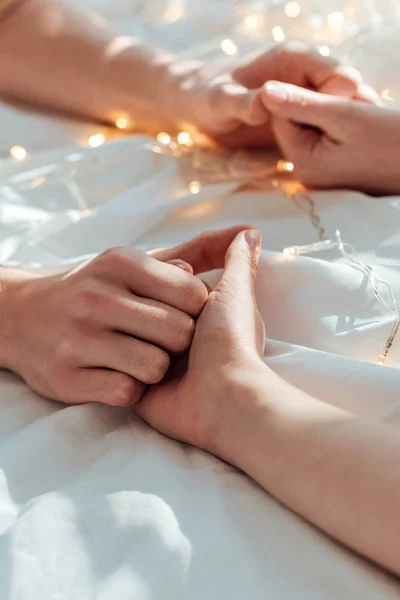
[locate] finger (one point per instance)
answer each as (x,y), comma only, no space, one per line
(177,262)
(365,93)
(241,264)
(299,63)
(148,320)
(140,360)
(246,106)
(232,303)
(104,386)
(150,278)
(236,102)
(306,107)
(205,252)
(342,81)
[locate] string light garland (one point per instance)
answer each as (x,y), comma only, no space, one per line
(327,30)
(219,165)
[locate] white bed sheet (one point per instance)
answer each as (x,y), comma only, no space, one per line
(93,504)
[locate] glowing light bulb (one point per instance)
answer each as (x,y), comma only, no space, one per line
(96,140)
(284,166)
(18,152)
(291,251)
(228,47)
(324,50)
(292,9)
(184,138)
(164,138)
(194,187)
(335,19)
(278,34)
(382,360)
(121,123)
(251,22)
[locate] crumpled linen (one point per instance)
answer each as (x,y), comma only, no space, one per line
(94,504)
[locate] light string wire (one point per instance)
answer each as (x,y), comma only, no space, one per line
(212,165)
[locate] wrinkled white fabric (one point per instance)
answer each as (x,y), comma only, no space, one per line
(93,504)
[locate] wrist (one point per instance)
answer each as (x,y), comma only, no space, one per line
(250,397)
(385,174)
(178,89)
(13,285)
(162,98)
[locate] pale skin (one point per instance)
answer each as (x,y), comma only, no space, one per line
(112,325)
(118,323)
(333,142)
(225,400)
(92,72)
(61,58)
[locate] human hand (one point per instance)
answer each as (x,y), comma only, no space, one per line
(333,142)
(194,403)
(228,106)
(104,330)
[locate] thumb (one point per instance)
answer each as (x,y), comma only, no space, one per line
(235,291)
(241,265)
(205,252)
(305,107)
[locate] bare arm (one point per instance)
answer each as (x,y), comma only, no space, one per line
(62,58)
(336,470)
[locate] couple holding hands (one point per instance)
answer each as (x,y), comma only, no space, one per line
(130,328)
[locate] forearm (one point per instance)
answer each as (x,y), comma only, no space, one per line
(61,58)
(337,471)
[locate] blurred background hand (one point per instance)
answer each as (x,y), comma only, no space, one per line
(333,142)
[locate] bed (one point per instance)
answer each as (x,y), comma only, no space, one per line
(93,503)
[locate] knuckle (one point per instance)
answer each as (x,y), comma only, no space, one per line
(89,299)
(65,354)
(350,74)
(114,258)
(194,296)
(154,365)
(125,391)
(110,256)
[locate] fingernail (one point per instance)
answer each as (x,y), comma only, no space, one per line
(181,265)
(253,238)
(276,91)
